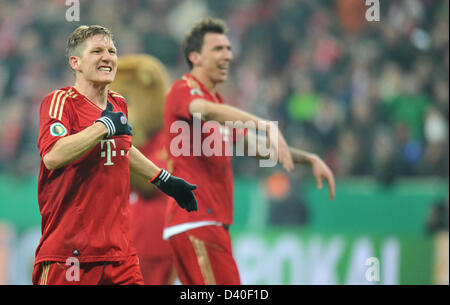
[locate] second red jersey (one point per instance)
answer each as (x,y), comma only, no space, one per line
(85,204)
(195,158)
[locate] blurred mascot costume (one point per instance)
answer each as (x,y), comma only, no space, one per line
(144,82)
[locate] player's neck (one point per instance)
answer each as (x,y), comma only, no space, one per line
(96,93)
(204,79)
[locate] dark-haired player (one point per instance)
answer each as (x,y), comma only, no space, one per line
(201,241)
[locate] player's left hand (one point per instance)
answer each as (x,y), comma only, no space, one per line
(321,171)
(177,188)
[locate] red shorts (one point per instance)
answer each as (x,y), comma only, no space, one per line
(203,256)
(99,273)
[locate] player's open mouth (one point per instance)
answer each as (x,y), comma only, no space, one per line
(105,69)
(223,68)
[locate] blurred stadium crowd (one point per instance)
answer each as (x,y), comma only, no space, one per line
(371,97)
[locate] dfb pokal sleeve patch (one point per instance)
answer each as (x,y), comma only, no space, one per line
(58,130)
(196,91)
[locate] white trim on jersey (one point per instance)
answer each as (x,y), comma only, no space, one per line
(177,229)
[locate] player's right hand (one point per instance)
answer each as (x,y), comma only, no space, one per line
(322,171)
(115,122)
(177,188)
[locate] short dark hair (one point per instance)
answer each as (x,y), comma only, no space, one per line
(193,40)
(81,34)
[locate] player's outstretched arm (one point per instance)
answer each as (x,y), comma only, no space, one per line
(320,170)
(222,113)
(175,187)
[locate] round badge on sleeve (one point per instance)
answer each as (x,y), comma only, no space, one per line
(123,120)
(58,130)
(195,91)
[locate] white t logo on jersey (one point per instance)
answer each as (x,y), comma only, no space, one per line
(109,152)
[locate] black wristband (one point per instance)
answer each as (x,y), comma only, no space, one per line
(109,125)
(162,176)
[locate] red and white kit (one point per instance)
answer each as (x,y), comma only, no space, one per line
(84,205)
(200,240)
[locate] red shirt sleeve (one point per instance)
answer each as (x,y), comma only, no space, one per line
(54,122)
(180,97)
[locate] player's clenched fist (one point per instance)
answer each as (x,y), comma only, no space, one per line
(115,122)
(177,188)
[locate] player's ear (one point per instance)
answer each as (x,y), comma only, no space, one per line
(74,62)
(194,57)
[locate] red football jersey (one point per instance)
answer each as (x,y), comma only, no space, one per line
(211,172)
(147,214)
(84,205)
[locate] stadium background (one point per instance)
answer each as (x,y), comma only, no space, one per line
(370,97)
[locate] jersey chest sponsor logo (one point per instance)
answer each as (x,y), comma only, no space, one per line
(109,151)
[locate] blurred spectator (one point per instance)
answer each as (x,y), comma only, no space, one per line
(304,103)
(351,15)
(435,160)
(387,163)
(286,203)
